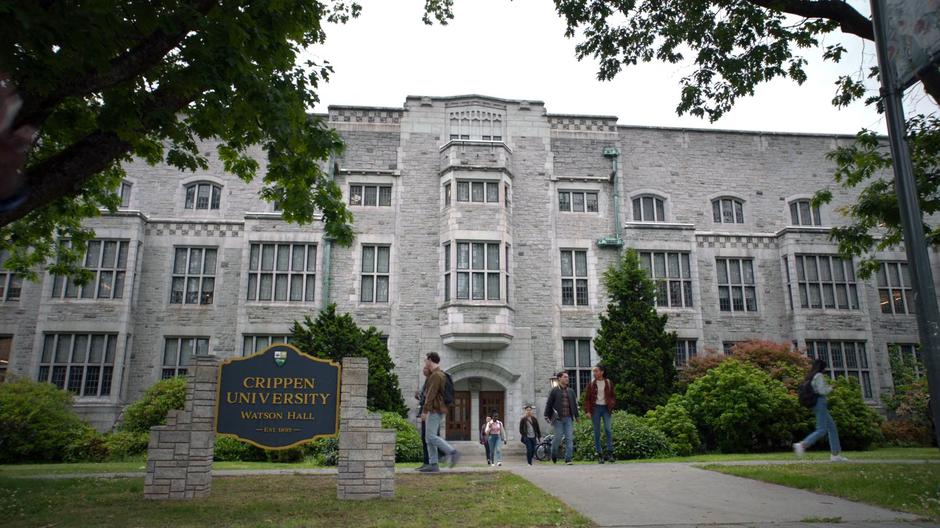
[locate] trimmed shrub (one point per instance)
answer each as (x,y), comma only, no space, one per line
(86,446)
(151,409)
(738,407)
(407,438)
(904,433)
(634,438)
(325,451)
(228,449)
(779,360)
(859,426)
(124,444)
(674,421)
(37,423)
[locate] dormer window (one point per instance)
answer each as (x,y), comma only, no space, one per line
(728,211)
(802,213)
(649,209)
(203,196)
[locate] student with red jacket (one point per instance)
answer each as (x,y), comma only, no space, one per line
(599,403)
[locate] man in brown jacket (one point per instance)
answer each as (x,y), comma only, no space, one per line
(433,414)
(599,403)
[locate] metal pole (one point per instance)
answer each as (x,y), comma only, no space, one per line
(925,297)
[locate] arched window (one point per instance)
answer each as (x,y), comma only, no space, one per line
(649,208)
(728,211)
(802,213)
(203,195)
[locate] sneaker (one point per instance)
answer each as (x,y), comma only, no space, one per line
(610,458)
(453,458)
(554,459)
(492,465)
(568,462)
(600,458)
(837,458)
(499,463)
(422,467)
(530,463)
(430,468)
(799,450)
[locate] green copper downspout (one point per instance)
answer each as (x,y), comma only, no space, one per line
(328,246)
(615,241)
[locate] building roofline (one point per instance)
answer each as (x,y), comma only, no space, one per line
(477,96)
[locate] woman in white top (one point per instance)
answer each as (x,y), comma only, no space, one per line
(824,422)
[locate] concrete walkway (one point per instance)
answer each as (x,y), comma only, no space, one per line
(681,495)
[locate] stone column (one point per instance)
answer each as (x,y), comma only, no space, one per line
(179,456)
(366,467)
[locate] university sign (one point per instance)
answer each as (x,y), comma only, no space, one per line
(278,398)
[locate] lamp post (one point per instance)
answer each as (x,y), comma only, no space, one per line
(554,381)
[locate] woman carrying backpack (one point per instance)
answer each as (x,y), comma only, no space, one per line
(494,433)
(816,379)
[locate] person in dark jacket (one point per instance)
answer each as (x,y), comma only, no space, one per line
(561,410)
(529,433)
(420,395)
(483,439)
(599,403)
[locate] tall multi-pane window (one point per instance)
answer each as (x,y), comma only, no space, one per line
(649,209)
(909,354)
(282,272)
(686,349)
(107,262)
(447,191)
(374,281)
(894,288)
(786,271)
(846,359)
(577,201)
(826,281)
(203,196)
(574,282)
(447,271)
(11,284)
(370,195)
(178,353)
(256,343)
(736,289)
(125,193)
(577,360)
(193,275)
(671,271)
(6,344)
(802,213)
(478,270)
(728,211)
(478,191)
(83,364)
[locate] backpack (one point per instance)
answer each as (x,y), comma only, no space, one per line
(448,390)
(806,394)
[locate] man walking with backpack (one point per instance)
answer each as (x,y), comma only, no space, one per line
(439,389)
(561,410)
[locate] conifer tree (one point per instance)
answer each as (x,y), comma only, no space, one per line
(633,342)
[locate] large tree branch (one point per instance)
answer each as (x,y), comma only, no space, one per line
(128,65)
(849,20)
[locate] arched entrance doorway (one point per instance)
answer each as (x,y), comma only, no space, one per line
(479,389)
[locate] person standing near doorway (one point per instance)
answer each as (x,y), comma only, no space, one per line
(599,403)
(433,413)
(561,410)
(484,440)
(530,433)
(496,432)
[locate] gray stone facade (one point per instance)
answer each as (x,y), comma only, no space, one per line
(511,344)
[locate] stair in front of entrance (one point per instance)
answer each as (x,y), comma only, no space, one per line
(471,449)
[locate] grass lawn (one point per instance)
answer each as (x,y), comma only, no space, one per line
(904,487)
(458,500)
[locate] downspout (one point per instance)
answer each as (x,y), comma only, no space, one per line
(328,246)
(615,241)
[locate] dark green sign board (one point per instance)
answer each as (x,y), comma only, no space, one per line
(278,398)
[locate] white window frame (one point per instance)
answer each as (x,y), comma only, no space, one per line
(370,272)
(576,369)
(124,192)
(71,355)
(107,282)
(658,211)
(894,288)
(574,277)
(193,192)
(202,277)
(666,280)
(686,349)
(11,284)
(254,343)
(480,272)
(810,283)
(195,345)
(802,213)
(734,284)
(471,186)
(724,206)
(570,201)
(264,280)
(839,356)
(381,195)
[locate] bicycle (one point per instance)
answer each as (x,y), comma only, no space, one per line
(544,449)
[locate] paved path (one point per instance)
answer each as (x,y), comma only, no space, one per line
(681,495)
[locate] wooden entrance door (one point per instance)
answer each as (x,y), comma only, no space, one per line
(458,417)
(490,402)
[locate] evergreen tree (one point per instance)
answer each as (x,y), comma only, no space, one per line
(334,337)
(633,343)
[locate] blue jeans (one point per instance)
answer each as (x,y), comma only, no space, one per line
(824,425)
(529,447)
(496,450)
(432,430)
(602,413)
(564,427)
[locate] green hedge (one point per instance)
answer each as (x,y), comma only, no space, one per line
(407,438)
(674,421)
(634,438)
(859,426)
(37,424)
(152,407)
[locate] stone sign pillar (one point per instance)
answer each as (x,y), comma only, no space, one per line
(366,451)
(179,456)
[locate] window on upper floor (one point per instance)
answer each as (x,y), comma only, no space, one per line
(370,195)
(895,292)
(802,213)
(125,193)
(577,360)
(252,343)
(477,272)
(671,271)
(845,359)
(649,209)
(193,275)
(478,191)
(736,289)
(83,364)
(282,272)
(178,353)
(107,261)
(574,278)
(686,349)
(826,281)
(203,195)
(374,278)
(728,211)
(577,201)
(11,284)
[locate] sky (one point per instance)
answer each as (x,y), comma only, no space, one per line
(517,50)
